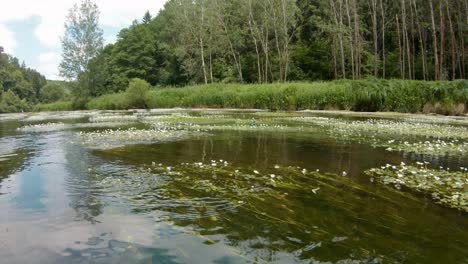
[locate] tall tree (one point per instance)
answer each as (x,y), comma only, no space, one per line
(82,39)
(147,18)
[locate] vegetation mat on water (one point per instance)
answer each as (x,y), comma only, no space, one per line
(420,138)
(449,188)
(51,127)
(117,138)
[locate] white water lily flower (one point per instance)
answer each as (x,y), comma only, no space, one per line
(277,166)
(344,173)
(256,172)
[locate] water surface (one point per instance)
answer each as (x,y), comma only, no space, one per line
(62,201)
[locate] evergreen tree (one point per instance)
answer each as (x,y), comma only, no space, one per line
(147,18)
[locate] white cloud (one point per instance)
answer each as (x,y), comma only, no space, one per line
(110,39)
(48,33)
(117,13)
(48,65)
(114,13)
(7,39)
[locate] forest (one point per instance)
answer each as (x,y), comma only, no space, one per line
(262,41)
(20,86)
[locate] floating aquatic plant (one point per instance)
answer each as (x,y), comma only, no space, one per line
(46,127)
(114,118)
(50,127)
(449,188)
(381,127)
(116,138)
(43,116)
(438,146)
(396,135)
(12,116)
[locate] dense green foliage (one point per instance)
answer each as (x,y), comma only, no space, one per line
(19,86)
(263,41)
(55,106)
(364,95)
(82,41)
(136,96)
(53,92)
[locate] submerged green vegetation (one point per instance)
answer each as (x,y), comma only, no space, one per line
(226,198)
(446,187)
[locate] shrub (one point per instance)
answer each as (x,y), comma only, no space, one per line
(11,103)
(52,92)
(55,106)
(117,101)
(137,93)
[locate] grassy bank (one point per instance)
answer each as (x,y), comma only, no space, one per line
(450,98)
(56,106)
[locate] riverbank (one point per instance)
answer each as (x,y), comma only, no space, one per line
(371,95)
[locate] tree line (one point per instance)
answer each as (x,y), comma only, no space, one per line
(262,41)
(20,86)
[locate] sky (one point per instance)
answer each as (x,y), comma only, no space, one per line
(31,29)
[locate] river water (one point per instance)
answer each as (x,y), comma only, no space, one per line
(180,200)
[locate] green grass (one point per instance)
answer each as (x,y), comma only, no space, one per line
(364,95)
(56,106)
(117,101)
(371,95)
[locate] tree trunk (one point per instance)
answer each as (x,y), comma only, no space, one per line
(421,41)
(373,13)
(357,37)
(253,33)
(339,23)
(406,43)
(452,42)
(351,40)
(382,10)
(401,50)
(442,71)
(434,39)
